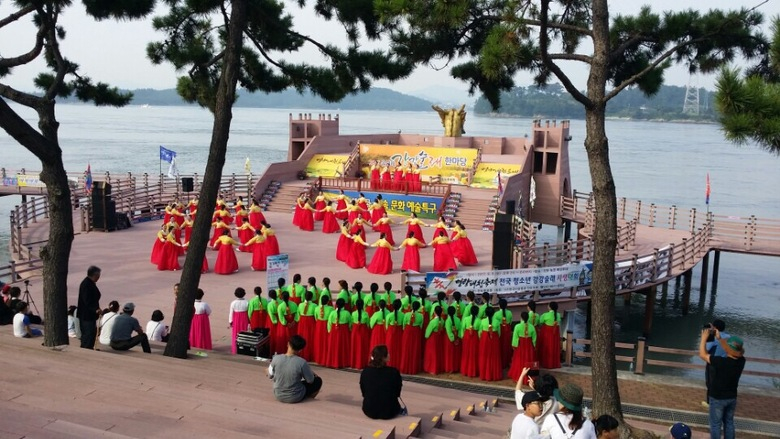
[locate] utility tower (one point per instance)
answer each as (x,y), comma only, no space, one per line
(691,104)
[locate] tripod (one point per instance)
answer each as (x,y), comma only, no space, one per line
(28,298)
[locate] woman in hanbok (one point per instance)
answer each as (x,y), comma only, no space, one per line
(240,215)
(167,215)
(341,205)
(360,337)
(358,228)
(378,210)
(443,260)
(321,315)
(433,352)
(223,213)
(441,226)
(398,179)
(452,346)
(329,222)
(238,205)
(394,324)
(169,257)
(362,202)
(159,243)
(272,311)
(387,178)
(258,245)
(306,323)
(374,175)
(238,318)
(192,207)
(415,225)
(345,243)
(524,344)
(469,335)
(219,227)
(357,253)
(306,221)
(383,226)
(299,203)
(461,246)
(378,325)
(287,322)
(411,341)
(549,339)
(353,211)
(503,317)
(382,261)
(200,329)
(256,217)
(187,226)
(173,227)
(271,243)
(490,348)
(319,205)
(339,325)
(245,234)
(257,310)
(226,257)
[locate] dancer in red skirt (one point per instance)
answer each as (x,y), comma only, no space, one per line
(503,317)
(245,234)
(226,258)
(256,217)
(524,343)
(360,337)
(241,214)
(339,325)
(381,262)
(411,341)
(374,175)
(358,228)
(550,338)
(224,214)
(287,323)
(440,226)
(219,227)
(383,226)
(490,348)
(306,323)
(469,334)
(415,225)
(461,246)
(299,203)
(398,179)
(357,253)
(341,205)
(362,202)
(257,311)
(345,243)
(271,243)
(273,318)
(157,248)
(169,257)
(443,260)
(353,211)
(378,325)
(452,346)
(394,334)
(433,352)
(329,222)
(187,226)
(387,177)
(306,220)
(378,210)
(321,315)
(319,205)
(238,319)
(411,260)
(259,261)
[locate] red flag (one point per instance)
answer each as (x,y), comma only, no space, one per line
(707,193)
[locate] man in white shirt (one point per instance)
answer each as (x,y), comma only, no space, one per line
(524,426)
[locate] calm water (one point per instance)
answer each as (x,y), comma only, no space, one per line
(662,163)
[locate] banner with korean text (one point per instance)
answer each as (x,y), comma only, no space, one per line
(487,174)
(397,204)
(278,266)
(326,165)
(453,164)
(512,281)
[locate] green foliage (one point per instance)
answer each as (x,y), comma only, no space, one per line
(118,9)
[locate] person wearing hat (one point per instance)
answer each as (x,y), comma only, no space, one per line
(524,426)
(122,338)
(569,421)
(725,373)
(680,431)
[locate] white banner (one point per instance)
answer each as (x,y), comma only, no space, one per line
(277,266)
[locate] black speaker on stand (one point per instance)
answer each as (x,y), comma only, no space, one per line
(187,184)
(103,207)
(503,240)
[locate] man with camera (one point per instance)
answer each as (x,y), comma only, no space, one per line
(724,375)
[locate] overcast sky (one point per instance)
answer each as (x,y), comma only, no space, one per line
(115,52)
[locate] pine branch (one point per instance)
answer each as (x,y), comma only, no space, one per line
(571,57)
(60,66)
(21,98)
(27,57)
(263,52)
(16,15)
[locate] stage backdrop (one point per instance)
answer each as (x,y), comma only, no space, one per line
(326,165)
(486,175)
(453,164)
(397,204)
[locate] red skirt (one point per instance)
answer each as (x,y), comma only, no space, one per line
(259,262)
(240,324)
(524,356)
(375,179)
(452,354)
(364,213)
(169,257)
(398,181)
(306,330)
(464,251)
(256,219)
(357,256)
(417,179)
(320,341)
(433,361)
(387,182)
(378,335)
(226,260)
(506,345)
(352,216)
(319,205)
(359,343)
(204,267)
(296,219)
(393,340)
(281,337)
(381,262)
(443,259)
(385,228)
(200,332)
(469,359)
(271,246)
(376,215)
(329,223)
(259,319)
(187,234)
(338,347)
(490,357)
(418,234)
(244,236)
(358,230)
(549,345)
(343,248)
(411,258)
(341,205)
(411,354)
(157,249)
(306,221)
(217,234)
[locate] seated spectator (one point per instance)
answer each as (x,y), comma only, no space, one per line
(293,378)
(380,386)
(680,431)
(6,293)
(6,313)
(156,329)
(122,338)
(22,327)
(15,296)
(74,331)
(106,324)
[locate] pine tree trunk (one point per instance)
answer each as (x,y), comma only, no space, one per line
(223,114)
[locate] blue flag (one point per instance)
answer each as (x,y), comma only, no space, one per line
(166,154)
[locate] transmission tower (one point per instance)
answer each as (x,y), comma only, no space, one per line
(691,104)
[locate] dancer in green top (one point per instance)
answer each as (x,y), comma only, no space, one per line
(258,317)
(452,346)
(339,325)
(360,337)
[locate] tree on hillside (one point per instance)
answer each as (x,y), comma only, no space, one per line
(750,106)
(61,79)
(499,38)
(224,44)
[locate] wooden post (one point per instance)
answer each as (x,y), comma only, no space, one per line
(687,291)
(639,368)
(715,267)
(34,211)
(627,299)
(46,207)
(705,268)
(649,307)
(569,348)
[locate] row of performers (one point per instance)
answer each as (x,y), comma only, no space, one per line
(401,178)
(438,336)
(181,214)
(307,212)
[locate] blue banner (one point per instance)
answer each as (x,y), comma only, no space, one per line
(167,154)
(398,204)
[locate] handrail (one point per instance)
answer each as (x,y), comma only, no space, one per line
(362,184)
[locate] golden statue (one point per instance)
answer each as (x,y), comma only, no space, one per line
(452,120)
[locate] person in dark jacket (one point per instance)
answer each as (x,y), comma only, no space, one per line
(89,307)
(380,385)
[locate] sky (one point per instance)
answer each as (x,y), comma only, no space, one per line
(115,52)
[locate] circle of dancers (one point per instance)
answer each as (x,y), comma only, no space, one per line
(443,334)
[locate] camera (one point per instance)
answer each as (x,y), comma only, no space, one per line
(27,282)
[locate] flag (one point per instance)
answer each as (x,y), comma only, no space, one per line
(500,185)
(707,191)
(532,196)
(167,154)
(247,166)
(173,171)
(88,179)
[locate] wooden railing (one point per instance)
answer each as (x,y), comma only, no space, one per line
(354,157)
(25,254)
(746,233)
(362,184)
(641,353)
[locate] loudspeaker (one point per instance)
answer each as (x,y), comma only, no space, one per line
(101,189)
(187,184)
(503,241)
(103,207)
(510,207)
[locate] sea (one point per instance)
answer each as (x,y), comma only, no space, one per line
(664,163)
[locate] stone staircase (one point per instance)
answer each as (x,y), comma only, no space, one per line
(486,419)
(268,194)
(472,212)
(283,197)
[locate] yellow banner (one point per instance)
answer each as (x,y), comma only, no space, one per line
(487,174)
(326,165)
(452,164)
(23,180)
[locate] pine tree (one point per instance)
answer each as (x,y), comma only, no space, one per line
(499,38)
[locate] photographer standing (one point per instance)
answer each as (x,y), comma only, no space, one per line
(725,373)
(89,307)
